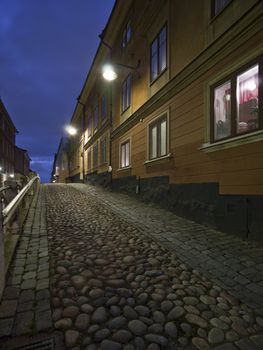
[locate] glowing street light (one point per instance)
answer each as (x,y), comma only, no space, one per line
(71,130)
(109,73)
(12,176)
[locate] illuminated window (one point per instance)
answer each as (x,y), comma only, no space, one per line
(125,154)
(158,138)
(236,103)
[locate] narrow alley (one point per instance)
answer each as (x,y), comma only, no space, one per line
(100,270)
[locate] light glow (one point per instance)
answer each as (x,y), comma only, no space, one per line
(108,73)
(251,86)
(71,130)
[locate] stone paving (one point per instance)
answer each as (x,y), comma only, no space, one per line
(123,275)
(114,288)
(25,306)
(232,263)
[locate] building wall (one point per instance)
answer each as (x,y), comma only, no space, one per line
(7,141)
(217,187)
(218,184)
(22,162)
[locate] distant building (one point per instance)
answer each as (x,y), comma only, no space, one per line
(182,123)
(7,143)
(60,169)
(22,162)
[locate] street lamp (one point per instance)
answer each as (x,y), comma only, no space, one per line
(71,130)
(109,73)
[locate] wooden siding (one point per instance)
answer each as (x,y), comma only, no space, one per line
(238,170)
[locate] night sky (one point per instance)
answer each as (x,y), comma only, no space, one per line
(46,49)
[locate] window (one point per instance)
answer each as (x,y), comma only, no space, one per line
(126,34)
(103,106)
(89,159)
(125,154)
(159,54)
(158,138)
(95,117)
(126,94)
(89,124)
(218,6)
(103,149)
(95,155)
(236,103)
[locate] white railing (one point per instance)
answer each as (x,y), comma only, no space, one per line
(10,209)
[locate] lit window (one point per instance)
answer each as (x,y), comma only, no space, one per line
(158,138)
(126,94)
(247,100)
(126,34)
(236,104)
(159,54)
(222,111)
(125,154)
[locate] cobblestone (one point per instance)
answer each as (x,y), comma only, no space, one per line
(124,275)
(111,266)
(191,241)
(21,312)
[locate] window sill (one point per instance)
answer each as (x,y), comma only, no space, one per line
(158,76)
(234,142)
(215,17)
(125,110)
(126,168)
(166,157)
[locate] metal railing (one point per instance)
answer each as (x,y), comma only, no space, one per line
(12,218)
(10,209)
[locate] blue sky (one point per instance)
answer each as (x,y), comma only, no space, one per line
(46,49)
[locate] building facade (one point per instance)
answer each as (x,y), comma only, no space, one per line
(22,162)
(182,123)
(60,170)
(7,143)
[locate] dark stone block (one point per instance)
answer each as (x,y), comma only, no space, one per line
(236,214)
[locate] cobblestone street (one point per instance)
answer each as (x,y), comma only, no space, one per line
(124,275)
